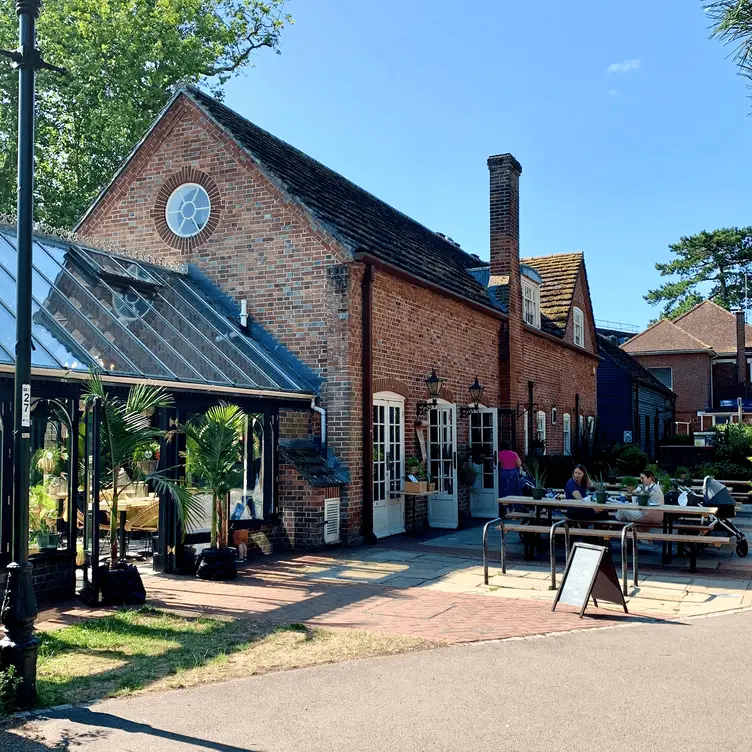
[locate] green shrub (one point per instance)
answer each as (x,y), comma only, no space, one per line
(8,686)
(733,443)
(631,460)
(722,471)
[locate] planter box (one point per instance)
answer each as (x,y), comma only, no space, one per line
(416,488)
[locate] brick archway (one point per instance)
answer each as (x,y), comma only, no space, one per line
(391,385)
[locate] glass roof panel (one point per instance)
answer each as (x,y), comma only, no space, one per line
(130,318)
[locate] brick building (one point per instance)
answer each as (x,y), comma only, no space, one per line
(371,301)
(704,356)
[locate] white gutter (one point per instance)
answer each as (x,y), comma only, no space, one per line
(322,413)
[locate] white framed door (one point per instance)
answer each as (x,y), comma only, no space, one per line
(443,507)
(484,432)
(388,467)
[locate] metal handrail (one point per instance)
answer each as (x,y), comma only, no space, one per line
(552,547)
(629,527)
(485,548)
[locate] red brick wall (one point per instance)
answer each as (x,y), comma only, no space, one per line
(415,330)
(691,381)
(559,374)
(301,508)
(265,249)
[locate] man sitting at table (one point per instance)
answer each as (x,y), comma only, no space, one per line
(646,516)
(577,489)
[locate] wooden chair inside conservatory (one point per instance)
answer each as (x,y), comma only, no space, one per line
(146,520)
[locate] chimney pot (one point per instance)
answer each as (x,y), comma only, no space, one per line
(741,352)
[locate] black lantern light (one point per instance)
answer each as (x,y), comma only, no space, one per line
(476,392)
(433,385)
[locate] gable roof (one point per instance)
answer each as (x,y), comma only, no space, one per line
(625,362)
(713,324)
(362,222)
(559,274)
(665,336)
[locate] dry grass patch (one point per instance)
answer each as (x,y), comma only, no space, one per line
(147,649)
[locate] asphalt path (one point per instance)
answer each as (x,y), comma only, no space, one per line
(645,687)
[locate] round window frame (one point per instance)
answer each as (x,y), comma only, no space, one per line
(176,232)
(159,209)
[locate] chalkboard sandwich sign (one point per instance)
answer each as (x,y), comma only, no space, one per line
(590,573)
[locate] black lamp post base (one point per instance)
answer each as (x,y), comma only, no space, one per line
(19,646)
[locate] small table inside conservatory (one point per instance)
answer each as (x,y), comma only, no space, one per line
(125,504)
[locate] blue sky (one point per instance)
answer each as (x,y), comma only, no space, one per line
(632,126)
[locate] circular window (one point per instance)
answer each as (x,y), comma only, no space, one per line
(188,210)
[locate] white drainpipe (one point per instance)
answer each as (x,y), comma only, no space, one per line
(244,313)
(322,413)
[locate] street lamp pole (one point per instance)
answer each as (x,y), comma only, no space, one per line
(19,646)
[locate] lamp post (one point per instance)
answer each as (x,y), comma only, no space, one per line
(19,609)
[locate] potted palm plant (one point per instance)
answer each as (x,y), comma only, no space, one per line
(127,429)
(215,446)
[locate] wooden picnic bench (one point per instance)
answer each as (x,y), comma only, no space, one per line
(527,522)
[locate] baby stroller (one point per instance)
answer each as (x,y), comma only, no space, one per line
(715,494)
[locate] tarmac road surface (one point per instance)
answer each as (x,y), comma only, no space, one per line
(646,687)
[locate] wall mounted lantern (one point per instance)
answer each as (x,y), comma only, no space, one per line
(433,386)
(476,392)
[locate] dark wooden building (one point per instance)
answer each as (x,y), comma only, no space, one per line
(633,406)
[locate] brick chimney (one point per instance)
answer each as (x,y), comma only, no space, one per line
(505,173)
(741,352)
(505,214)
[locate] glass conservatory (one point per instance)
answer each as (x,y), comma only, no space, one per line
(132,322)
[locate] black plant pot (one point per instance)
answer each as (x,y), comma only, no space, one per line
(217,564)
(186,560)
(122,586)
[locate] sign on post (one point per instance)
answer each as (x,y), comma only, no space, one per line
(590,573)
(627,437)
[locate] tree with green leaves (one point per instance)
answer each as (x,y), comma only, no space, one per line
(126,431)
(705,265)
(731,22)
(124,59)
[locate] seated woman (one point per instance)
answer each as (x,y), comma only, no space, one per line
(648,517)
(577,488)
(510,480)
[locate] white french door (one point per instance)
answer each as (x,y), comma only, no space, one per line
(442,466)
(484,433)
(388,467)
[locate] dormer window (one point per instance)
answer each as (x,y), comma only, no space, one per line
(531,283)
(579,327)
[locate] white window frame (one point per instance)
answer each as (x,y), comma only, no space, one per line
(670,369)
(578,330)
(567,430)
(591,427)
(554,416)
(540,428)
(531,303)
(387,400)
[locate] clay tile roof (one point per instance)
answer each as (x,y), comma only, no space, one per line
(609,349)
(712,324)
(357,218)
(663,336)
(559,273)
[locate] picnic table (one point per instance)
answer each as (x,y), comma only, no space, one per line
(671,513)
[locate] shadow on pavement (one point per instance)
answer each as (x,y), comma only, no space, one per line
(97,722)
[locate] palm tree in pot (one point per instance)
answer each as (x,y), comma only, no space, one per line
(126,431)
(215,446)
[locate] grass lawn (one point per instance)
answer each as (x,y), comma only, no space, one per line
(148,649)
